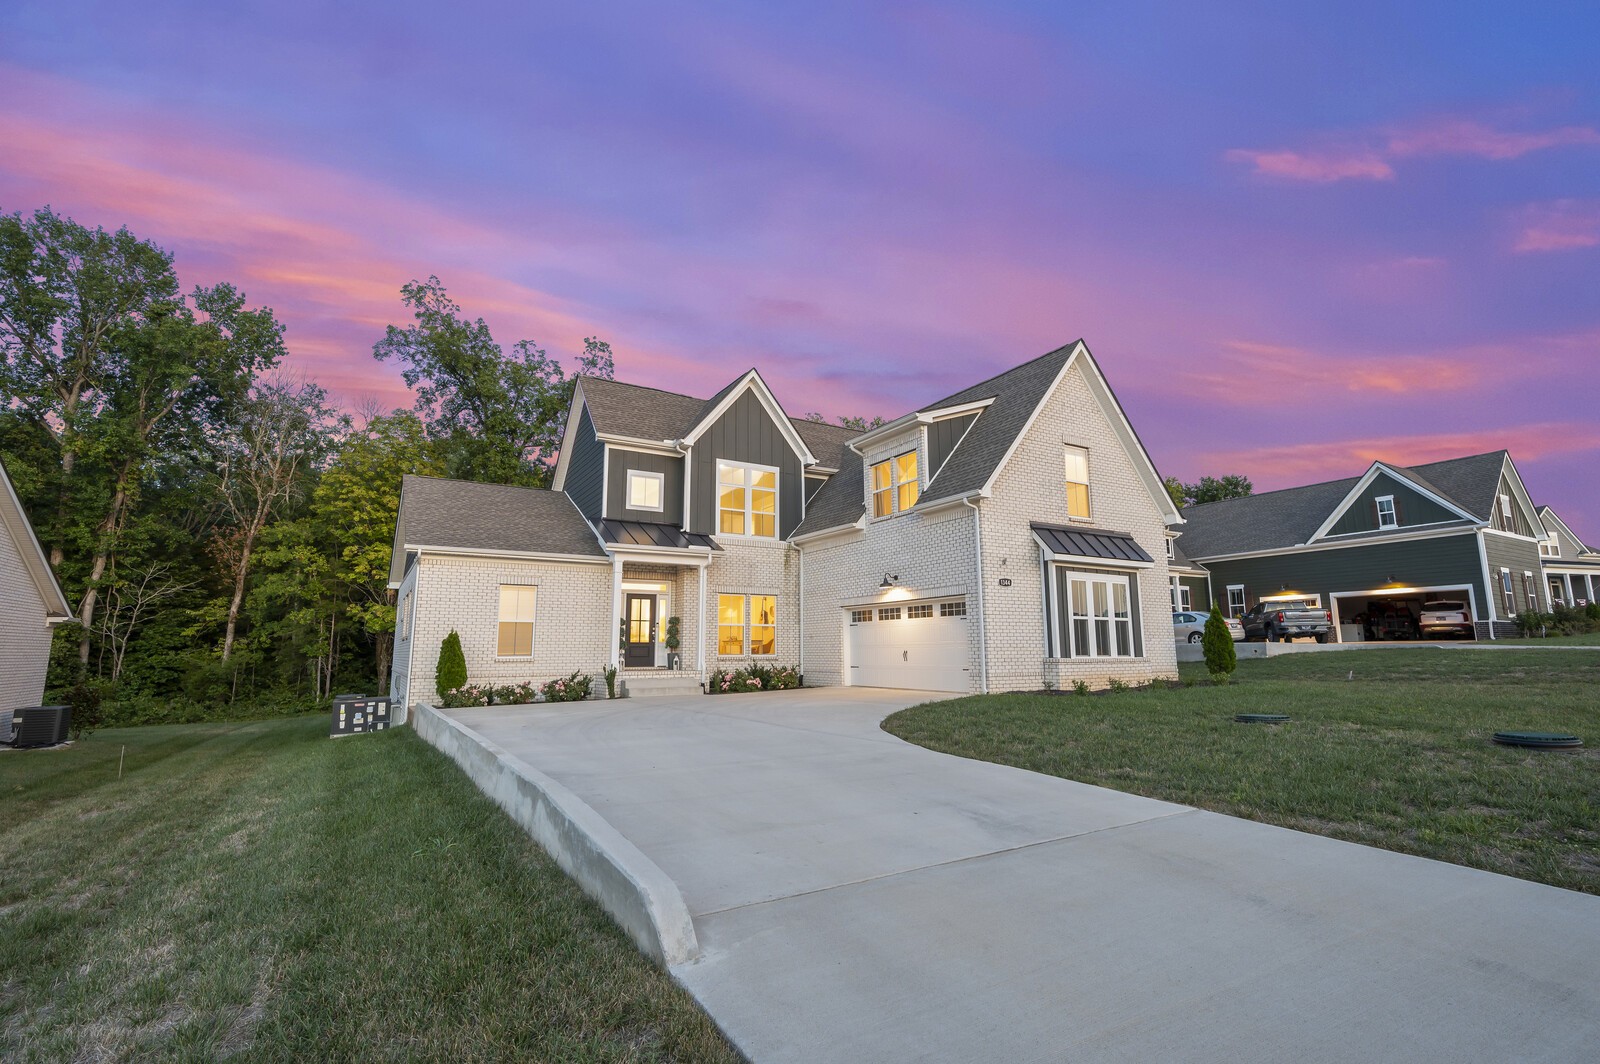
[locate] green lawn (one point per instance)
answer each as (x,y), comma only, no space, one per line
(1587,639)
(1387,747)
(260,892)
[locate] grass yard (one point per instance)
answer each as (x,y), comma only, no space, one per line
(259,892)
(1396,755)
(1587,639)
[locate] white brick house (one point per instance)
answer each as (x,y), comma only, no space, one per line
(1012,536)
(31,604)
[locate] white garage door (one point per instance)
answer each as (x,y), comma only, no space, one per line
(920,645)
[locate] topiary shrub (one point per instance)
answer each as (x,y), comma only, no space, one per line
(452,671)
(1217,641)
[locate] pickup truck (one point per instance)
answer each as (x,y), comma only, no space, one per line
(1287,619)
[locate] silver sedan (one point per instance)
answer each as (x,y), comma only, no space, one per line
(1190,626)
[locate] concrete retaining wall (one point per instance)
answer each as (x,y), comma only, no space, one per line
(608,867)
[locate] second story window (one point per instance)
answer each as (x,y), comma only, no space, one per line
(1077,482)
(895,486)
(1386,514)
(1507,522)
(644,490)
(747,500)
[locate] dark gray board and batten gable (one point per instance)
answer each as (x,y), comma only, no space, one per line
(586,468)
(744,433)
(671,469)
(1410,505)
(943,435)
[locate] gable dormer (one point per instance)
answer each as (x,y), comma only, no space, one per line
(745,471)
(1387,499)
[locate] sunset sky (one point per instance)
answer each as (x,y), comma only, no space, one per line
(1295,242)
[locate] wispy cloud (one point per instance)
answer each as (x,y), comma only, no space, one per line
(1561,225)
(1303,463)
(1249,374)
(1370,156)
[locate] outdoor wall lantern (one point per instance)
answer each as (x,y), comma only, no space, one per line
(889,581)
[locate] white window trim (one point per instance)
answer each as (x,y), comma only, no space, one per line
(749,623)
(1508,593)
(1394,514)
(893,462)
(1087,490)
(749,501)
(1507,522)
(1068,648)
(661,490)
(533,622)
(1184,597)
(1228,605)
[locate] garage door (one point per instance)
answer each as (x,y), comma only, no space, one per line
(920,645)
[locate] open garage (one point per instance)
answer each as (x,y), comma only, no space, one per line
(1392,613)
(918,644)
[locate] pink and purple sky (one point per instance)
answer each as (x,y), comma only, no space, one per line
(1297,239)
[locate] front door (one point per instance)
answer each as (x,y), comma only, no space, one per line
(641,648)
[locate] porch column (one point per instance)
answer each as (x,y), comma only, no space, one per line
(1567,579)
(616,611)
(700,641)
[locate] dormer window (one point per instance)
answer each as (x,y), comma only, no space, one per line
(747,500)
(644,490)
(1386,514)
(894,485)
(1550,549)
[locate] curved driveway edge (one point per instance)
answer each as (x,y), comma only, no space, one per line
(608,867)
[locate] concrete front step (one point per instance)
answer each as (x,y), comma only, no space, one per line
(662,683)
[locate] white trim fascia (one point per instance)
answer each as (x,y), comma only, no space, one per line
(1307,548)
(813,538)
(35,561)
(1513,535)
(605,482)
(1567,565)
(752,380)
(667,448)
(558,479)
(1564,526)
(944,503)
(1529,510)
(1366,481)
(1081,559)
(1033,416)
(515,555)
(1392,528)
(918,594)
(1488,584)
(945,413)
(696,556)
(864,442)
(820,471)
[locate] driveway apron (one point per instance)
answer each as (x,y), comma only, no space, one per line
(858,898)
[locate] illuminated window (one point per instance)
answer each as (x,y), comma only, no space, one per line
(1386,514)
(644,490)
(747,500)
(1077,482)
(763,624)
(730,625)
(762,614)
(919,611)
(895,487)
(516,621)
(1235,600)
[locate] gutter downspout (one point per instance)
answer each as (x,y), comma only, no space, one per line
(983,620)
(1489,590)
(801,554)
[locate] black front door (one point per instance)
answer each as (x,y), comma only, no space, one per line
(641,613)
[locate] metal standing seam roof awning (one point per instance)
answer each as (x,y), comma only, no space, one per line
(649,534)
(1093,546)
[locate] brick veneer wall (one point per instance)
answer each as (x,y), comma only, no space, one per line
(571,628)
(750,567)
(24,636)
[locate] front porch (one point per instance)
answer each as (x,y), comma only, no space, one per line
(658,606)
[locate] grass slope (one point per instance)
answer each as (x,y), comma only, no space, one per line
(1397,756)
(260,892)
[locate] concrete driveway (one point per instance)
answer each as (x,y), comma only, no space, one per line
(860,899)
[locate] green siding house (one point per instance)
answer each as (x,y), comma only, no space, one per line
(1571,567)
(1382,544)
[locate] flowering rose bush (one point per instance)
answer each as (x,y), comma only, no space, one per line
(573,688)
(754,678)
(516,694)
(468,694)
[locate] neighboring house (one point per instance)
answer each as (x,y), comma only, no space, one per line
(1380,544)
(1571,568)
(1011,536)
(1191,583)
(31,604)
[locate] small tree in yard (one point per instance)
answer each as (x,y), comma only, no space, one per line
(452,671)
(1221,658)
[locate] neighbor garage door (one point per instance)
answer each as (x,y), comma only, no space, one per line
(921,645)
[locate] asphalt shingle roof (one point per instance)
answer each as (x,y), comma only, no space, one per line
(465,515)
(839,502)
(828,444)
(1288,518)
(619,409)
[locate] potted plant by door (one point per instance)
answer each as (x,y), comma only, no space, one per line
(674,660)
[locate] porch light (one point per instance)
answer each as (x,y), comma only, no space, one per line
(889,581)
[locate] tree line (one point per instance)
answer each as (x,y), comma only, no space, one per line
(223,529)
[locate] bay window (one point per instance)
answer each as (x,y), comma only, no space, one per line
(1095,616)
